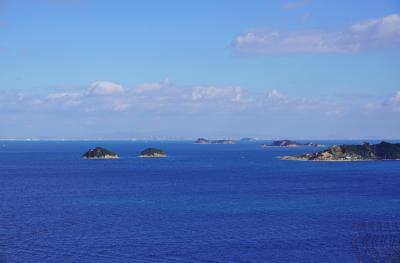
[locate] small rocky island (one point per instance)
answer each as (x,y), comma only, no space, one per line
(289,143)
(356,152)
(205,141)
(152,153)
(100,153)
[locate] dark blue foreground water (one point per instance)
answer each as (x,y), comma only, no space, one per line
(205,203)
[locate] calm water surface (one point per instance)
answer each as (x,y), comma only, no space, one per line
(205,203)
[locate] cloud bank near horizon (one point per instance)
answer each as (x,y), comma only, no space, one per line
(108,107)
(103,96)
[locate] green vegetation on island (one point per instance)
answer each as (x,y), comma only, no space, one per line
(153,152)
(355,152)
(100,153)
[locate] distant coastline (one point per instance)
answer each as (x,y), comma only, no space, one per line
(205,141)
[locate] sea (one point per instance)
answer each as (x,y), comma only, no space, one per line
(203,203)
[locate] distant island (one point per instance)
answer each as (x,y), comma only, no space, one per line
(289,143)
(152,153)
(355,152)
(205,141)
(248,139)
(100,153)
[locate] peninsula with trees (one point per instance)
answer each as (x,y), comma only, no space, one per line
(353,152)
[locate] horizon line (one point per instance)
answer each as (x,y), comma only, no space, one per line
(32,139)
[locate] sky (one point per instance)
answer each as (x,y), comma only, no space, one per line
(298,69)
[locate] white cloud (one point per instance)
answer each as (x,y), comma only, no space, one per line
(105,88)
(370,34)
(217,93)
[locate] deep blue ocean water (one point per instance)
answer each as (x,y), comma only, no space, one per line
(204,203)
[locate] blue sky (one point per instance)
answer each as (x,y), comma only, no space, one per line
(270,69)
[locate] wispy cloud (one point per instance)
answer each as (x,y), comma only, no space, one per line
(366,35)
(62,95)
(304,18)
(294,4)
(2,4)
(64,1)
(396,97)
(276,96)
(334,113)
(4,24)
(153,86)
(390,104)
(394,101)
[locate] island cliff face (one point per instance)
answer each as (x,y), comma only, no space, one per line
(153,153)
(366,151)
(205,141)
(100,153)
